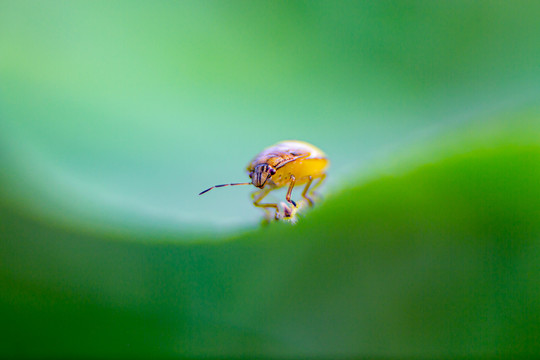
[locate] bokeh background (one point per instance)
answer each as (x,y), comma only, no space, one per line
(115,115)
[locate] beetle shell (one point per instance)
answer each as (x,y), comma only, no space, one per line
(291,158)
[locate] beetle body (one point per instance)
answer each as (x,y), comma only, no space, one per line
(291,158)
(287,163)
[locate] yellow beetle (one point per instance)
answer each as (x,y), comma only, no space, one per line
(287,163)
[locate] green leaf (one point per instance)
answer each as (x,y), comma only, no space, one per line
(439,261)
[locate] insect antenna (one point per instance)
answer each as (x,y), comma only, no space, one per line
(222,185)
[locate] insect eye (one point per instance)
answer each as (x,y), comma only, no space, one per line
(250,175)
(272,171)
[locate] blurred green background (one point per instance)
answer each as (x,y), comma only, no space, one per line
(115,115)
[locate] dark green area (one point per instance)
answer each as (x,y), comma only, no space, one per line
(440,261)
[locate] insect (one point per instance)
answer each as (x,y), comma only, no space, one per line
(287,163)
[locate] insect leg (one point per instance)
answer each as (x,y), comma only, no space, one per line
(304,193)
(258,196)
(288,197)
(321,179)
